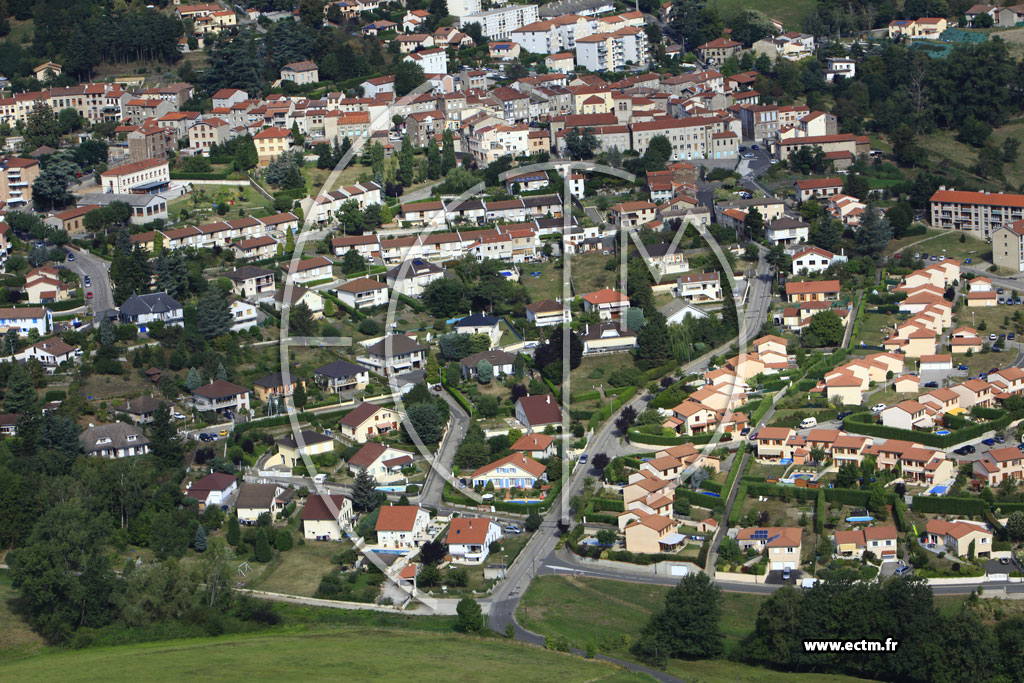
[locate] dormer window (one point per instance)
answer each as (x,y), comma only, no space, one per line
(103,440)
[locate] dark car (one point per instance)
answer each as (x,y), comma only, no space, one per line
(970,449)
(845,413)
(931,385)
(203,436)
(999,291)
(997,349)
(961,451)
(989,442)
(583,458)
(71,257)
(1010,336)
(744,431)
(961,367)
(991,370)
(754,147)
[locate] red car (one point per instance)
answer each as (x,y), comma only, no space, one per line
(88,295)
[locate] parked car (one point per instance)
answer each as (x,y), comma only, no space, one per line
(942,258)
(962,366)
(203,436)
(88,281)
(775,161)
(71,257)
(961,451)
(992,337)
(744,431)
(970,448)
(924,256)
(223,433)
(743,148)
(754,147)
(878,407)
(989,442)
(1004,560)
(1010,336)
(583,458)
(999,438)
(931,385)
(786,574)
(512,529)
(1002,300)
(1000,291)
(845,413)
(88,295)
(967,260)
(934,257)
(917,254)
(903,570)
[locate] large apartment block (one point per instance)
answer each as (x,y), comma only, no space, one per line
(695,137)
(981,212)
(499,23)
(613,51)
(1008,246)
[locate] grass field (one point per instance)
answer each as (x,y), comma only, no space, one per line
(943,144)
(896,245)
(360,654)
(547,285)
(298,571)
(580,379)
(18,640)
(583,610)
(950,246)
(589,274)
(790,13)
(589,610)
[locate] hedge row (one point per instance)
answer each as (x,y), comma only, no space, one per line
(852,497)
(1007,508)
(412,303)
(658,440)
(806,384)
(942,505)
(762,410)
(737,507)
(737,464)
(819,512)
(702,556)
(899,514)
(856,325)
(457,395)
(223,175)
(584,396)
(712,486)
(607,505)
(701,500)
(774,384)
(858,424)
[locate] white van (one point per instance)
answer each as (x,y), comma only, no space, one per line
(808,422)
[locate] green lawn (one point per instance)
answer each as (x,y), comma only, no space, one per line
(589,274)
(547,285)
(950,246)
(896,245)
(360,654)
(594,371)
(872,326)
(298,571)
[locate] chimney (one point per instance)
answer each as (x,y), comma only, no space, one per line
(547,399)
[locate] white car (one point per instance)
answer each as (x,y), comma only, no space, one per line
(991,337)
(774,161)
(878,407)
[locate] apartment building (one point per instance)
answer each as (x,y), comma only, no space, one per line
(271,143)
(500,22)
(1008,246)
(16,178)
(691,137)
(554,35)
(613,51)
(147,176)
(844,142)
(980,212)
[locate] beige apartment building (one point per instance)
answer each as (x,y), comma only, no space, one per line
(981,212)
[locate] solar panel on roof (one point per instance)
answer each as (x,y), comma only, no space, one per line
(760,534)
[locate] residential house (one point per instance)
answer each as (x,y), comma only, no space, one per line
(813,290)
(340,376)
(881,541)
(1000,464)
(607,337)
(212,490)
(652,534)
(412,277)
(782,544)
(257,499)
(367,420)
(402,527)
(469,538)
(547,312)
(145,309)
(24,320)
(515,471)
(538,411)
(502,363)
(363,293)
(607,303)
(382,462)
(142,409)
(293,448)
(250,282)
(960,537)
(325,517)
(295,295)
(275,386)
(394,354)
(115,440)
(222,397)
(699,288)
(537,446)
(308,270)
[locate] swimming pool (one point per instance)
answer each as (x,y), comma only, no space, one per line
(392,489)
(524,501)
(712,494)
(936,491)
(803,476)
(942,432)
(865,518)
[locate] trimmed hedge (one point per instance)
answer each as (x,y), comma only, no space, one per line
(737,508)
(941,505)
(899,510)
(584,396)
(607,505)
(855,423)
(701,500)
(712,486)
(658,440)
(734,471)
(806,384)
(819,512)
(1007,508)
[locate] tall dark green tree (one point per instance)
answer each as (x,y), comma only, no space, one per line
(213,313)
(406,163)
(365,496)
(688,626)
(653,347)
(20,396)
(448,160)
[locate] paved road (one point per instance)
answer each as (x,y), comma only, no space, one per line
(433,487)
(98,271)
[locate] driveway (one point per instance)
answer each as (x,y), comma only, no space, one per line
(774,577)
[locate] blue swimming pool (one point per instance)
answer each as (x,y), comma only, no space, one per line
(936,491)
(865,518)
(942,432)
(392,489)
(524,501)
(803,476)
(712,494)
